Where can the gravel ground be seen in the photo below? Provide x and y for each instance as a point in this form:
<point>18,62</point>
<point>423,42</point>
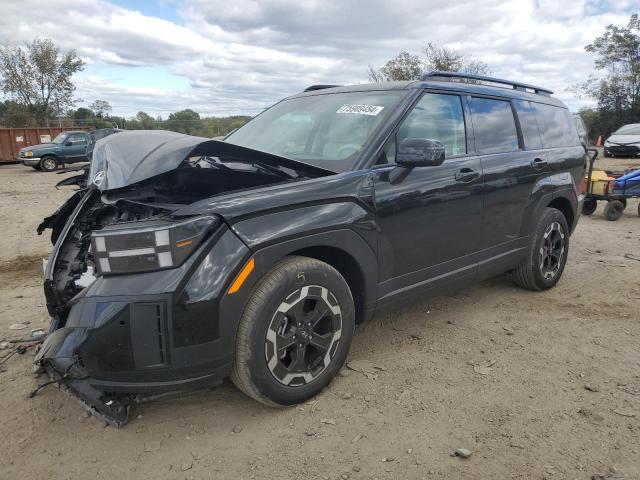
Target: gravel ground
<point>533,385</point>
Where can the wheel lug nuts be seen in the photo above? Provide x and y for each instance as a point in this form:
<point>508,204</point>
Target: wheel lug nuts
<point>294,337</point>
<point>300,345</point>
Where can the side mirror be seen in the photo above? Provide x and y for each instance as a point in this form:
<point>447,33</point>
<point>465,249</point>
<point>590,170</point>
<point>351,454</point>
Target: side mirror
<point>420,152</point>
<point>68,143</point>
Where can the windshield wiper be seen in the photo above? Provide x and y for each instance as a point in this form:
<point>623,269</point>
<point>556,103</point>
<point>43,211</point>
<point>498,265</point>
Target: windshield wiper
<point>273,169</point>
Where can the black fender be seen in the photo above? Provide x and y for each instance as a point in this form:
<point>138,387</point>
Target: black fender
<point>341,230</point>
<point>558,191</point>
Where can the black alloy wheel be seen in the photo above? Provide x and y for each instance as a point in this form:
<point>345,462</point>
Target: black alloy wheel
<point>552,250</point>
<point>295,332</point>
<point>302,335</point>
<point>547,253</point>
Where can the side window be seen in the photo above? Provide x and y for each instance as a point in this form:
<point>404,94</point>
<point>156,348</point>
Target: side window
<point>494,126</point>
<point>77,139</point>
<point>556,126</point>
<point>528,124</point>
<point>437,117</point>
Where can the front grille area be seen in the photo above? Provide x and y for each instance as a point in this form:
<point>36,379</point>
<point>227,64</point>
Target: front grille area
<point>133,338</point>
<point>624,149</point>
<point>148,335</point>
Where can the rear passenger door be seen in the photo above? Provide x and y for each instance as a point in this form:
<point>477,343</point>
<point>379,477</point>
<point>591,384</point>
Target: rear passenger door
<point>510,173</point>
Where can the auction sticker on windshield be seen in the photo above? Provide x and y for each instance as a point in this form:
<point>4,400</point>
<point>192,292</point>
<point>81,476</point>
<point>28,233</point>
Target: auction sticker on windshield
<point>360,109</point>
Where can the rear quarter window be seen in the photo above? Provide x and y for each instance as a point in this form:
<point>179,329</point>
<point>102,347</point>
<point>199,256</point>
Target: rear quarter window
<point>493,125</point>
<point>528,124</point>
<point>557,128</point>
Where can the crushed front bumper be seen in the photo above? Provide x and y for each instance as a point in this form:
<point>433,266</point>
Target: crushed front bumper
<point>128,337</point>
<point>56,356</point>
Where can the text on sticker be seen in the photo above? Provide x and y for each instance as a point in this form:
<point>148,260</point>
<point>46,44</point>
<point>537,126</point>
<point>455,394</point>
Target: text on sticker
<point>360,109</point>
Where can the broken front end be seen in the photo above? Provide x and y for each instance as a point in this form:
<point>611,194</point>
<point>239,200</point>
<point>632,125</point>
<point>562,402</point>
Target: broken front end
<point>135,289</point>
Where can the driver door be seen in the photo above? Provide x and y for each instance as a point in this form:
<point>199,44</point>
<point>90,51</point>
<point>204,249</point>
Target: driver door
<point>430,223</point>
<point>75,148</point>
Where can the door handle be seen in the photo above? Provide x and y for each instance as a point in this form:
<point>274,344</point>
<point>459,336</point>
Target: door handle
<point>539,163</point>
<point>466,175</point>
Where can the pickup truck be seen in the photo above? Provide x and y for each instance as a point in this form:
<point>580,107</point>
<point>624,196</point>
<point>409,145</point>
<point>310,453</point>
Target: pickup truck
<point>67,147</point>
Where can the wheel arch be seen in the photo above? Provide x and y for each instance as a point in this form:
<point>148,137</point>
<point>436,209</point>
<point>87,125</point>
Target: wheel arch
<point>566,208</point>
<point>347,266</point>
<point>344,250</point>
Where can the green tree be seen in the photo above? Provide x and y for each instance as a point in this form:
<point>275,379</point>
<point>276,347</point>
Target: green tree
<point>145,121</point>
<point>403,66</point>
<point>211,127</point>
<point>83,115</point>
<point>407,66</point>
<point>13,114</point>
<point>185,121</point>
<point>445,59</point>
<point>39,76</point>
<point>616,84</point>
<point>101,108</point>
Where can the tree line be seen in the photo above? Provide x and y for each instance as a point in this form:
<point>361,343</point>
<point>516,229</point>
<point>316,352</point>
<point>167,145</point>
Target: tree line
<point>36,78</point>
<point>37,82</point>
<point>615,84</point>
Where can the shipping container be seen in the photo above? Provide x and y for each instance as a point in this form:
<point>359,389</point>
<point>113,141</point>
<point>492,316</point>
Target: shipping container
<point>13,139</point>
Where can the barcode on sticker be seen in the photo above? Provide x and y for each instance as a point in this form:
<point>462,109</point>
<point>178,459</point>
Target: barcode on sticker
<point>360,109</point>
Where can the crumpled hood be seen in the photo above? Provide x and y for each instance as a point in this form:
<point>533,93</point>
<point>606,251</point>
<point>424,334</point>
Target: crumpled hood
<point>133,156</point>
<point>624,139</point>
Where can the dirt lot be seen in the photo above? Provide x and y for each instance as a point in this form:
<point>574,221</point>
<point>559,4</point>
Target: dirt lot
<point>560,399</point>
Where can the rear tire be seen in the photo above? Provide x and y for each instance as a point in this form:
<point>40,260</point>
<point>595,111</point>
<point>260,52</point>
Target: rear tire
<point>589,206</point>
<point>613,211</point>
<point>547,255</point>
<point>48,164</point>
<point>295,332</point>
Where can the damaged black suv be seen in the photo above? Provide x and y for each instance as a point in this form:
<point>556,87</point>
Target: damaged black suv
<point>185,260</point>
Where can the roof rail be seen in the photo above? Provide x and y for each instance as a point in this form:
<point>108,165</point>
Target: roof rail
<point>319,87</point>
<point>448,76</point>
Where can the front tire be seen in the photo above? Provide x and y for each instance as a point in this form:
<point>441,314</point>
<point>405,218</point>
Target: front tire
<point>48,164</point>
<point>295,332</point>
<point>547,253</point>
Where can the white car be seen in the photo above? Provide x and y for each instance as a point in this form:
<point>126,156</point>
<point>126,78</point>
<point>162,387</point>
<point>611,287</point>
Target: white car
<point>624,142</point>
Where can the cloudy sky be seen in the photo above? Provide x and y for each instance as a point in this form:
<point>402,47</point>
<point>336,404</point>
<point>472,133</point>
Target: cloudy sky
<point>222,57</point>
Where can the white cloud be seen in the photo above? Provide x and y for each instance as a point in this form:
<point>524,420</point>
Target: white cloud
<point>241,56</point>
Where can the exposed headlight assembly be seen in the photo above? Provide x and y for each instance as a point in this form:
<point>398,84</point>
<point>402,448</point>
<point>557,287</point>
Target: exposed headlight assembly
<point>147,247</point>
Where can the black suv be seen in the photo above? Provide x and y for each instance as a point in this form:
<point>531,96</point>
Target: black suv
<point>188,260</point>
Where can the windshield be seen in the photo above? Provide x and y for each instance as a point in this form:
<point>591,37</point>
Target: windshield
<point>328,130</point>
<point>60,138</point>
<point>628,130</point>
